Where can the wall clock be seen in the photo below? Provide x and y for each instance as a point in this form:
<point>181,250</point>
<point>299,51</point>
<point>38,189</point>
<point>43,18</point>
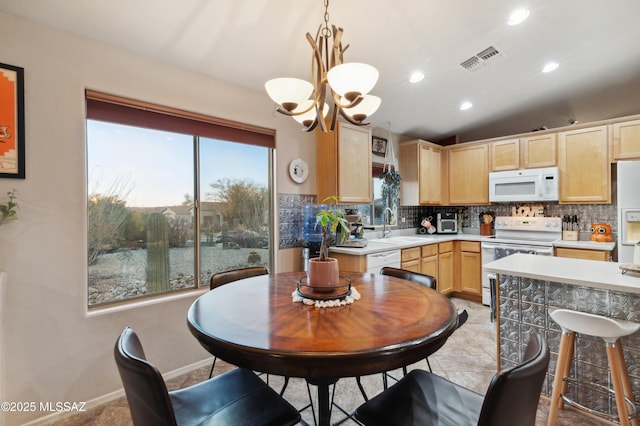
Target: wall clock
<point>298,170</point>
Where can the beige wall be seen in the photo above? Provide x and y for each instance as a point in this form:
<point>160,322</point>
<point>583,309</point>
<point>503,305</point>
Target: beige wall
<point>53,352</point>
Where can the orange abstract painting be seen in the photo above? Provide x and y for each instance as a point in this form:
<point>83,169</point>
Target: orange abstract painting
<point>11,121</point>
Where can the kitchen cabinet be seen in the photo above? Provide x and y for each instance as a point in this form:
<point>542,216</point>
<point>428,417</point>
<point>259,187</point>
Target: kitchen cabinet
<point>445,267</point>
<point>505,155</point>
<point>585,170</point>
<point>420,164</point>
<point>538,151</point>
<point>343,164</point>
<point>429,261</point>
<point>576,253</point>
<point>626,140</point>
<point>470,280</point>
<point>410,259</point>
<point>469,174</point>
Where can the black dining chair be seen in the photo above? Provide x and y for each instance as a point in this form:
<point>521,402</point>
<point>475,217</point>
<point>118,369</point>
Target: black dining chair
<point>423,398</point>
<point>233,398</point>
<point>427,281</point>
<point>226,277</point>
<point>222,278</point>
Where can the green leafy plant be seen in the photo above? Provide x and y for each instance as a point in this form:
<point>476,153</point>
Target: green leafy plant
<point>9,209</point>
<point>329,219</point>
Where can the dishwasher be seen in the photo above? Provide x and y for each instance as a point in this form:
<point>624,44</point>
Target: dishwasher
<point>375,261</point>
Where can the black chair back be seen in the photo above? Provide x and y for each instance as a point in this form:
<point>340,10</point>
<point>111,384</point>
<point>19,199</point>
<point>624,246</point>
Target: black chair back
<point>513,394</point>
<point>144,386</point>
<point>424,279</point>
<point>226,277</point>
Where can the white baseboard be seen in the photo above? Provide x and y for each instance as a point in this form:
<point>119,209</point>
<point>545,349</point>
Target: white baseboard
<point>103,399</point>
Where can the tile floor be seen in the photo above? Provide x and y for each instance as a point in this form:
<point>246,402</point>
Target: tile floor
<point>467,358</point>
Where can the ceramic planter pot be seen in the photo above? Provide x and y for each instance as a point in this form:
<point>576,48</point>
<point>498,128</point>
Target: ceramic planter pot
<point>323,275</point>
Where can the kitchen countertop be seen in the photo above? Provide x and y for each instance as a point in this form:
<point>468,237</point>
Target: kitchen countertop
<point>587,245</point>
<point>409,240</point>
<point>590,273</point>
<point>394,242</point>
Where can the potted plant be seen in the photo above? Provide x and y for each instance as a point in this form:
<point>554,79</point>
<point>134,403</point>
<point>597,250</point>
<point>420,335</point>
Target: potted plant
<point>323,270</point>
<point>8,209</point>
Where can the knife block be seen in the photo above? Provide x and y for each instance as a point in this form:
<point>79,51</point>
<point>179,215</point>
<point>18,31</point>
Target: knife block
<point>570,235</point>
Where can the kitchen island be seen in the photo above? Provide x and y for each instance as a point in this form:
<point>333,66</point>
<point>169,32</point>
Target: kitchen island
<point>528,286</point>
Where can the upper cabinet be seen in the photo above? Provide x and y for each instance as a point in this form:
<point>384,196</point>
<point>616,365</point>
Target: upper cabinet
<point>524,153</point>
<point>585,170</point>
<point>505,155</point>
<point>469,174</point>
<point>538,151</point>
<point>421,170</point>
<point>626,140</point>
<point>343,166</point>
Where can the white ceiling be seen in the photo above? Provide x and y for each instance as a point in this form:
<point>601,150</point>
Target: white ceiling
<point>248,42</point>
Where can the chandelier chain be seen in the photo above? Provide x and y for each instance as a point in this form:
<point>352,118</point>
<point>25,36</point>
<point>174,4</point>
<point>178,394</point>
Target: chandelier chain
<point>325,31</point>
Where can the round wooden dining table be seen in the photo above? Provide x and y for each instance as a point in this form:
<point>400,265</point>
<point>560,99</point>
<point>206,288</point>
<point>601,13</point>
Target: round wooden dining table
<point>254,323</point>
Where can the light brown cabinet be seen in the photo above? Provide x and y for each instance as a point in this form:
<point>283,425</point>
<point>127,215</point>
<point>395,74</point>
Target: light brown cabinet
<point>343,163</point>
<point>538,151</point>
<point>470,282</point>
<point>469,175</point>
<point>577,253</point>
<point>445,268</point>
<point>585,170</point>
<point>626,140</point>
<point>410,259</point>
<point>421,170</point>
<point>504,155</point>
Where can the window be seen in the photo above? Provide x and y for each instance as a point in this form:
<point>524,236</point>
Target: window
<point>377,206</point>
<point>171,200</point>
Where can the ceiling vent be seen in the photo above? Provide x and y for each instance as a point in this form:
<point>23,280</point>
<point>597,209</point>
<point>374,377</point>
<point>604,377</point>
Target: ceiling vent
<point>482,59</point>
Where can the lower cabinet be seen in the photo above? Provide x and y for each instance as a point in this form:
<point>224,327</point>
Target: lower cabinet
<point>469,282</point>
<point>575,253</point>
<point>410,259</point>
<point>445,267</point>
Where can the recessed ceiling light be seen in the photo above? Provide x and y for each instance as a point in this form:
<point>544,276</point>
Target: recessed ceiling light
<point>416,77</point>
<point>550,66</point>
<point>465,106</point>
<point>518,16</point>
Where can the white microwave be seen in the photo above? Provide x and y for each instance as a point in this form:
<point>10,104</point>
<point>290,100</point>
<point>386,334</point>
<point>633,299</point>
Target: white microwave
<point>524,185</point>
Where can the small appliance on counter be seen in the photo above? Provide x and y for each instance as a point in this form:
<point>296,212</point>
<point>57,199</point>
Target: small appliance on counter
<point>356,230</point>
<point>447,223</point>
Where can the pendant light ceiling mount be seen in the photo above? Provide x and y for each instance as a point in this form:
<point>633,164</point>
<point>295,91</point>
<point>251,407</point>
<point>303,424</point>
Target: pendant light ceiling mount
<point>337,86</point>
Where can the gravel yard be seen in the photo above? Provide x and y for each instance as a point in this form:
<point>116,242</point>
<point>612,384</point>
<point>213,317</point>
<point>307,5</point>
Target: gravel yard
<point>121,275</point>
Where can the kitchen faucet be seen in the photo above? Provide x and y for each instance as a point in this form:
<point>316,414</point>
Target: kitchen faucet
<point>384,221</point>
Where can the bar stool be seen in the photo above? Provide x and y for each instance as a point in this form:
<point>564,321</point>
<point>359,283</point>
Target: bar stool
<point>610,330</point>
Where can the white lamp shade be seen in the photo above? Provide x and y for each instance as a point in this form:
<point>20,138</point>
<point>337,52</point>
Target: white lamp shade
<point>366,108</point>
<point>288,90</point>
<point>309,115</point>
<point>352,77</point>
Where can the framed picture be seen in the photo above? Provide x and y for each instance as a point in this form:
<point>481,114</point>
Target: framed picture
<point>11,122</point>
<point>378,145</point>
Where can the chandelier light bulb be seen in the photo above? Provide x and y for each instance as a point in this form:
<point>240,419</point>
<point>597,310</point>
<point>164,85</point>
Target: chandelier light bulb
<point>364,109</point>
<point>288,92</point>
<point>352,79</point>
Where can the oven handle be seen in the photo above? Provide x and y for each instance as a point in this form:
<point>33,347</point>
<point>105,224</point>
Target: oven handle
<point>543,251</point>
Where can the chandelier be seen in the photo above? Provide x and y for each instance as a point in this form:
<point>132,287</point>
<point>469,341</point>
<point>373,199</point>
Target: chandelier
<point>336,87</point>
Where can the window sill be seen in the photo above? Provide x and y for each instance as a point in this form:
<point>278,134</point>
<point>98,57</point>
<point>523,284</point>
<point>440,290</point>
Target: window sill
<point>91,312</point>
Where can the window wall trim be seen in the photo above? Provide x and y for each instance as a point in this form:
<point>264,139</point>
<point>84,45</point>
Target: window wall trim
<point>117,109</point>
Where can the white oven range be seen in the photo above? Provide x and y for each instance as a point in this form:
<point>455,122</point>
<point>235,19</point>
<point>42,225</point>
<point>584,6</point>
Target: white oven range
<point>516,234</point>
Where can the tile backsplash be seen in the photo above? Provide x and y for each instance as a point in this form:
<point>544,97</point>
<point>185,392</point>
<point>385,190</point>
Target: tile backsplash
<point>290,208</point>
